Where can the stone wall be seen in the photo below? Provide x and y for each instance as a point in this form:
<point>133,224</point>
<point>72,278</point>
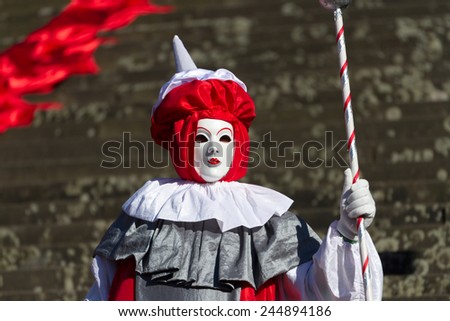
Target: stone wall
<point>56,200</point>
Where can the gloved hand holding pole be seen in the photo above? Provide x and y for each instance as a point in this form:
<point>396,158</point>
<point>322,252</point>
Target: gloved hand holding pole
<point>336,6</point>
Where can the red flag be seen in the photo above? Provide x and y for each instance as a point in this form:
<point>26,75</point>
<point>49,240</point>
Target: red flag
<point>62,48</point>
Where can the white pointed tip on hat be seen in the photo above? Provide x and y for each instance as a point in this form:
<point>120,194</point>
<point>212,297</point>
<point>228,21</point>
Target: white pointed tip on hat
<point>187,71</point>
<point>183,60</point>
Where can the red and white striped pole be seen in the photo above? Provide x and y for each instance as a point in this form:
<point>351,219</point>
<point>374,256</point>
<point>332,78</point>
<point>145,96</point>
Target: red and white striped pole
<point>351,142</point>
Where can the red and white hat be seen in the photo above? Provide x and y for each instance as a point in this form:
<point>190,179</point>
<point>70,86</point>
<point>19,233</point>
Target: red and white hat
<point>193,94</point>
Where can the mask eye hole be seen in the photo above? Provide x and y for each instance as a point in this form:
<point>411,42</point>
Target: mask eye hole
<point>200,138</point>
<point>225,139</point>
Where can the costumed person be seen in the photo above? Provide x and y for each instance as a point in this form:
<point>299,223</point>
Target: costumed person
<point>206,236</point>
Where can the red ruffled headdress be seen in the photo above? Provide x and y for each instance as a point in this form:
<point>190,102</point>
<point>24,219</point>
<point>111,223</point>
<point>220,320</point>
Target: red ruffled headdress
<point>193,94</point>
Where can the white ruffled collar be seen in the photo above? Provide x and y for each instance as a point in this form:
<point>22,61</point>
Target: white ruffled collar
<point>232,204</point>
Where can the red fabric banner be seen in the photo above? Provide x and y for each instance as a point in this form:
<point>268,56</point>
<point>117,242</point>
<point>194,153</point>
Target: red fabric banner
<point>62,48</point>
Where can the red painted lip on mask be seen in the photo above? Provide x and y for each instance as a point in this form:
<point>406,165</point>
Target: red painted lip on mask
<point>214,161</point>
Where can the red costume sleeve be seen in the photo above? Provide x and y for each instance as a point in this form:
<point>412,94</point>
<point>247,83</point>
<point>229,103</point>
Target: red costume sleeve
<point>122,287</point>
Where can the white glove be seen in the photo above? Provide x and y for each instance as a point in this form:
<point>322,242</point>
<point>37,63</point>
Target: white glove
<point>356,200</point>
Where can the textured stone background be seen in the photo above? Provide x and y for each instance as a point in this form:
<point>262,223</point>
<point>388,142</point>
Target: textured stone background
<point>56,200</point>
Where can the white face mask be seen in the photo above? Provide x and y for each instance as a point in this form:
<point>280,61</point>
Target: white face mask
<point>213,151</point>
